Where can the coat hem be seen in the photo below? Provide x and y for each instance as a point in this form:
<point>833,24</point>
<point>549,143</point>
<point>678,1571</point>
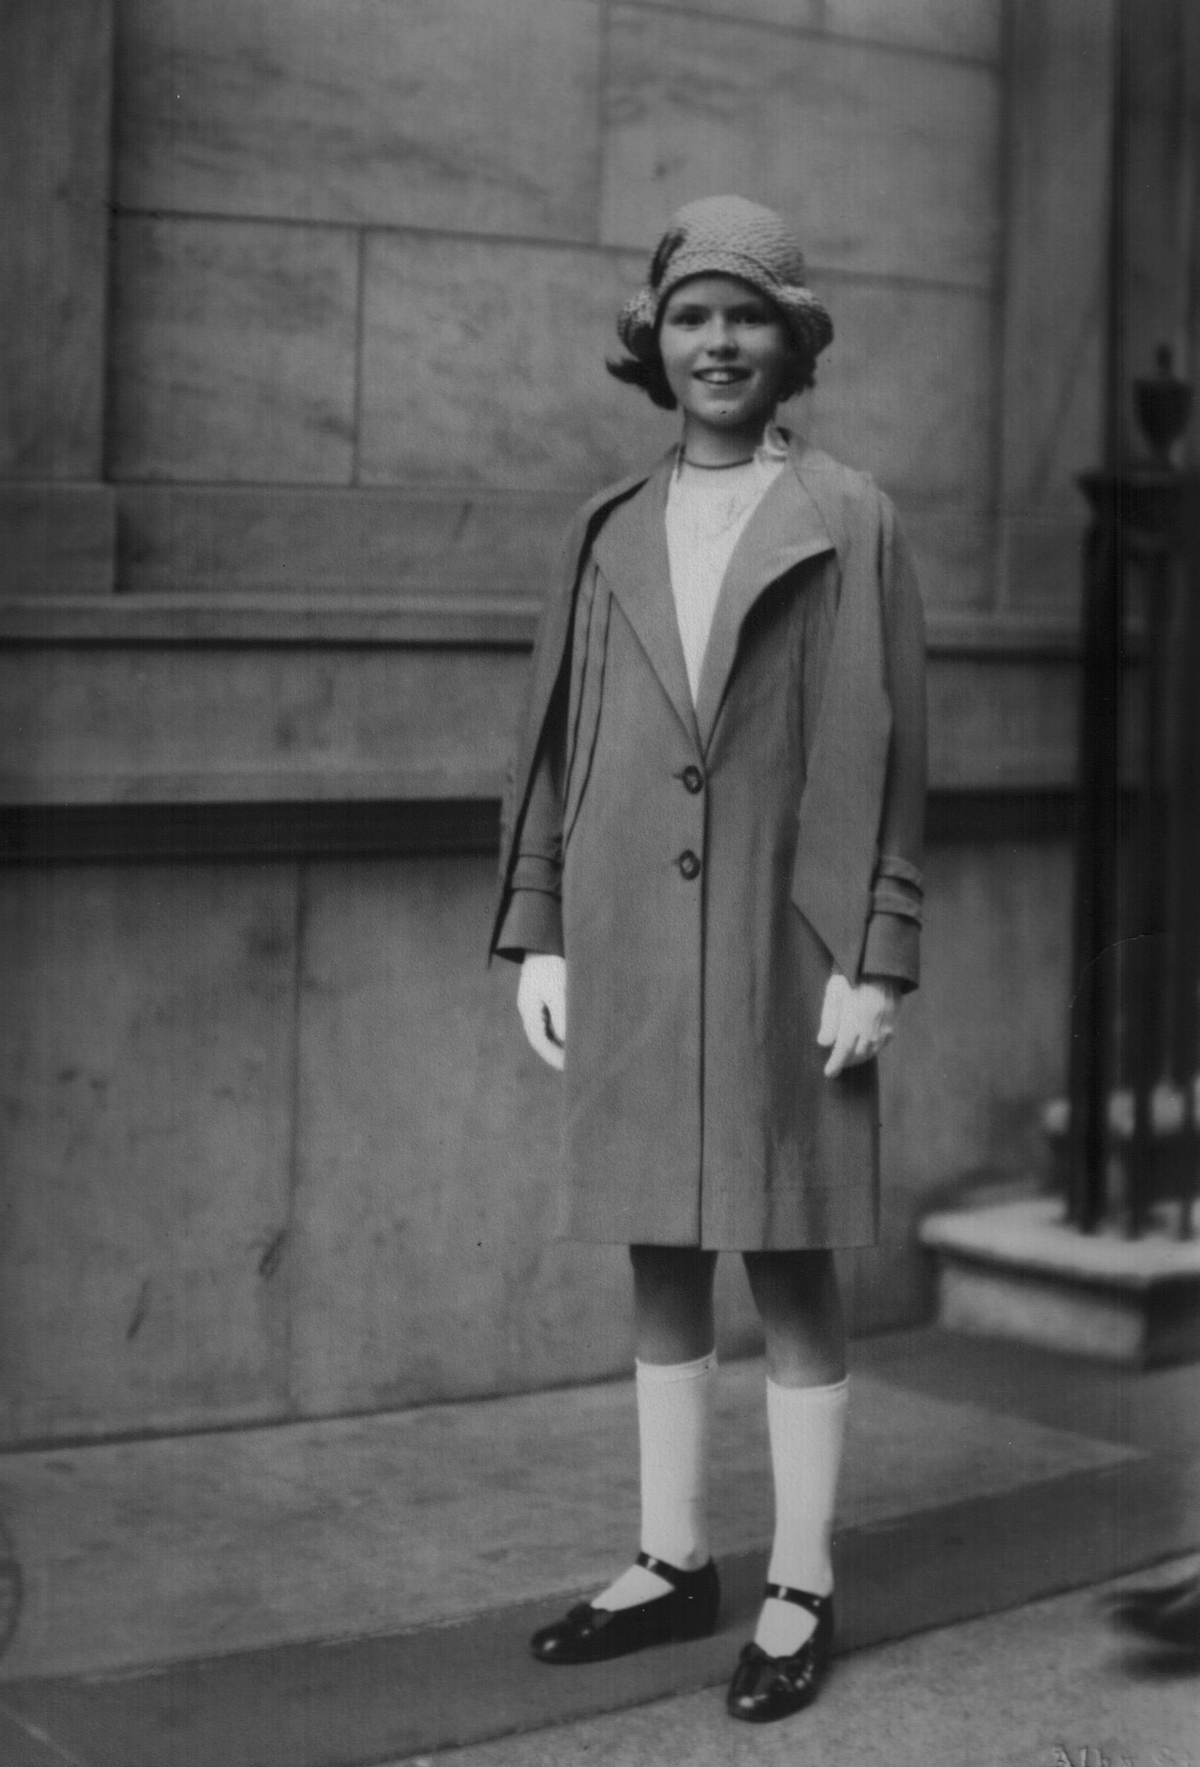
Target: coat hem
<point>839,1243</point>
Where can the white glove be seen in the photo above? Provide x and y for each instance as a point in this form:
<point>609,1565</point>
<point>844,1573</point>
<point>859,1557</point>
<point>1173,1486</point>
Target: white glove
<point>856,1022</point>
<point>542,1004</point>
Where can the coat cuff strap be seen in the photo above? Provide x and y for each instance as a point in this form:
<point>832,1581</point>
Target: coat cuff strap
<point>893,949</point>
<point>537,871</point>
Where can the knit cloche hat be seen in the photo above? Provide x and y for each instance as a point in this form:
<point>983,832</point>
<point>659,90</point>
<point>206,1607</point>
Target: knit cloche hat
<point>726,236</point>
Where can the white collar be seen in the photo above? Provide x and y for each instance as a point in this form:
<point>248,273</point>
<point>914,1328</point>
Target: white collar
<point>770,451</point>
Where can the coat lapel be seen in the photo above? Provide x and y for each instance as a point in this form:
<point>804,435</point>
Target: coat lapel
<point>631,551</point>
<point>784,530</point>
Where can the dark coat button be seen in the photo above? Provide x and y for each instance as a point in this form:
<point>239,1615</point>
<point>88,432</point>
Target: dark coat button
<point>693,779</point>
<point>689,864</point>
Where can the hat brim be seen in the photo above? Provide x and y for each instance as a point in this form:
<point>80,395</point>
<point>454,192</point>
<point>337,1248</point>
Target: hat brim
<point>805,316</point>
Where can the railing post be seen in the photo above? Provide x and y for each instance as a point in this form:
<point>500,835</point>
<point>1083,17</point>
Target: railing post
<point>1091,1047</point>
<point>1120,1057</point>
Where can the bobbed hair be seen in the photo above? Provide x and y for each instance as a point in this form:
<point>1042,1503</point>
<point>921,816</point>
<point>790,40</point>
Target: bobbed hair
<point>650,376</point>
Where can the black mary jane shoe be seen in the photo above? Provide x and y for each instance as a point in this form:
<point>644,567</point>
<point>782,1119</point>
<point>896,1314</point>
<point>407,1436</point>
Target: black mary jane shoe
<point>594,1634</point>
<point>764,1687</point>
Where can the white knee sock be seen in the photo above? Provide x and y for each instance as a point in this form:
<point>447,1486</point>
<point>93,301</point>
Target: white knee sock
<point>674,1404</point>
<point>806,1427</point>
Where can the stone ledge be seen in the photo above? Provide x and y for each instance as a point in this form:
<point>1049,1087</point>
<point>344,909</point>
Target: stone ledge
<point>419,616</point>
<point>1018,1271</point>
<point>476,621</point>
<point>371,825</point>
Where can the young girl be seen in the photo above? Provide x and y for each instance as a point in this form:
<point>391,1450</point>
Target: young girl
<point>710,875</point>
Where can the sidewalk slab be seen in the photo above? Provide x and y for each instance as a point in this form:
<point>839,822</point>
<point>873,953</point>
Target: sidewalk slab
<point>357,1590</point>
<point>361,1701</point>
<point>1154,1410</point>
<point>141,1553</point>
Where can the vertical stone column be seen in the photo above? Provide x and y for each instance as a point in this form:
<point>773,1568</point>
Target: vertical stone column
<point>1060,60</point>
<point>57,523</point>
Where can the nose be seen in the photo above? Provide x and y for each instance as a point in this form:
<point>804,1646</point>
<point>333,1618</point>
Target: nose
<point>719,339</point>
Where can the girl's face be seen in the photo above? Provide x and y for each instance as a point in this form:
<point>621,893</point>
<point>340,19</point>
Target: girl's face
<point>727,355</point>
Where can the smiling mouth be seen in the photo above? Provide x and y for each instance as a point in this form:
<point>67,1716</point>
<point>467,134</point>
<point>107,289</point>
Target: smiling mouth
<point>721,377</point>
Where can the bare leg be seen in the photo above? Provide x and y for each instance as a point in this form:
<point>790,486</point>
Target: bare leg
<point>797,1297</point>
<point>672,1298</point>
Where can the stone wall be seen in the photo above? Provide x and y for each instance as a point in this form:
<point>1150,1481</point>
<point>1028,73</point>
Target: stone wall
<point>381,246</point>
<point>293,431</point>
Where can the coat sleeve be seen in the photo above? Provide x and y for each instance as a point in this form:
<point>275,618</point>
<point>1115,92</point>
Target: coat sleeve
<point>892,946</point>
<point>532,919</point>
<point>528,913</point>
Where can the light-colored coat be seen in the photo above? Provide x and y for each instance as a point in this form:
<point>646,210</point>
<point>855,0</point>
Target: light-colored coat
<point>703,867</point>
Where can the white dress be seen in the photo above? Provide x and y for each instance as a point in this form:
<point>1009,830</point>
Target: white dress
<point>707,512</point>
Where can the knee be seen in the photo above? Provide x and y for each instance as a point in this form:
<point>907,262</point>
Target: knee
<point>682,1270</point>
<point>797,1282</point>
<point>673,1303</point>
<point>797,1298</point>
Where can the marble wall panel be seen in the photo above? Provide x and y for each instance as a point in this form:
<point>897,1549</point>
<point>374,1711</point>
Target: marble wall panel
<point>189,723</point>
<point>907,389</point>
<point>222,540</point>
<point>1041,560</point>
<point>984,1040</point>
<point>233,352</point>
<point>945,27</point>
<point>483,365</point>
<point>146,1055</point>
<point>888,163</point>
<point>56,539</point>
<point>999,724</point>
<point>954,553</point>
<point>55,128</point>
<point>455,114</point>
<point>1059,80</point>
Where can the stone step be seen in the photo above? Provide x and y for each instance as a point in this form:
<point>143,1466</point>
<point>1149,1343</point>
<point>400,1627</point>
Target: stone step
<point>361,1589</point>
<point>1017,1270</point>
<point>357,1701</point>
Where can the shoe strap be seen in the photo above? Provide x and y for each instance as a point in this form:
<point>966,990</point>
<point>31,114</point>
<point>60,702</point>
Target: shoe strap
<point>816,1605</point>
<point>670,1573</point>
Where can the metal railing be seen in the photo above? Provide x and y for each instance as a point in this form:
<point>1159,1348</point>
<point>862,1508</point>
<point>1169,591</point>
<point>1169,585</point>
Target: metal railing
<point>1131,1126</point>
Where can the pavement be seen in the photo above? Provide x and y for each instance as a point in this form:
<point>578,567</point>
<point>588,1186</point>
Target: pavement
<point>1042,1685</point>
<point>359,1590</point>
